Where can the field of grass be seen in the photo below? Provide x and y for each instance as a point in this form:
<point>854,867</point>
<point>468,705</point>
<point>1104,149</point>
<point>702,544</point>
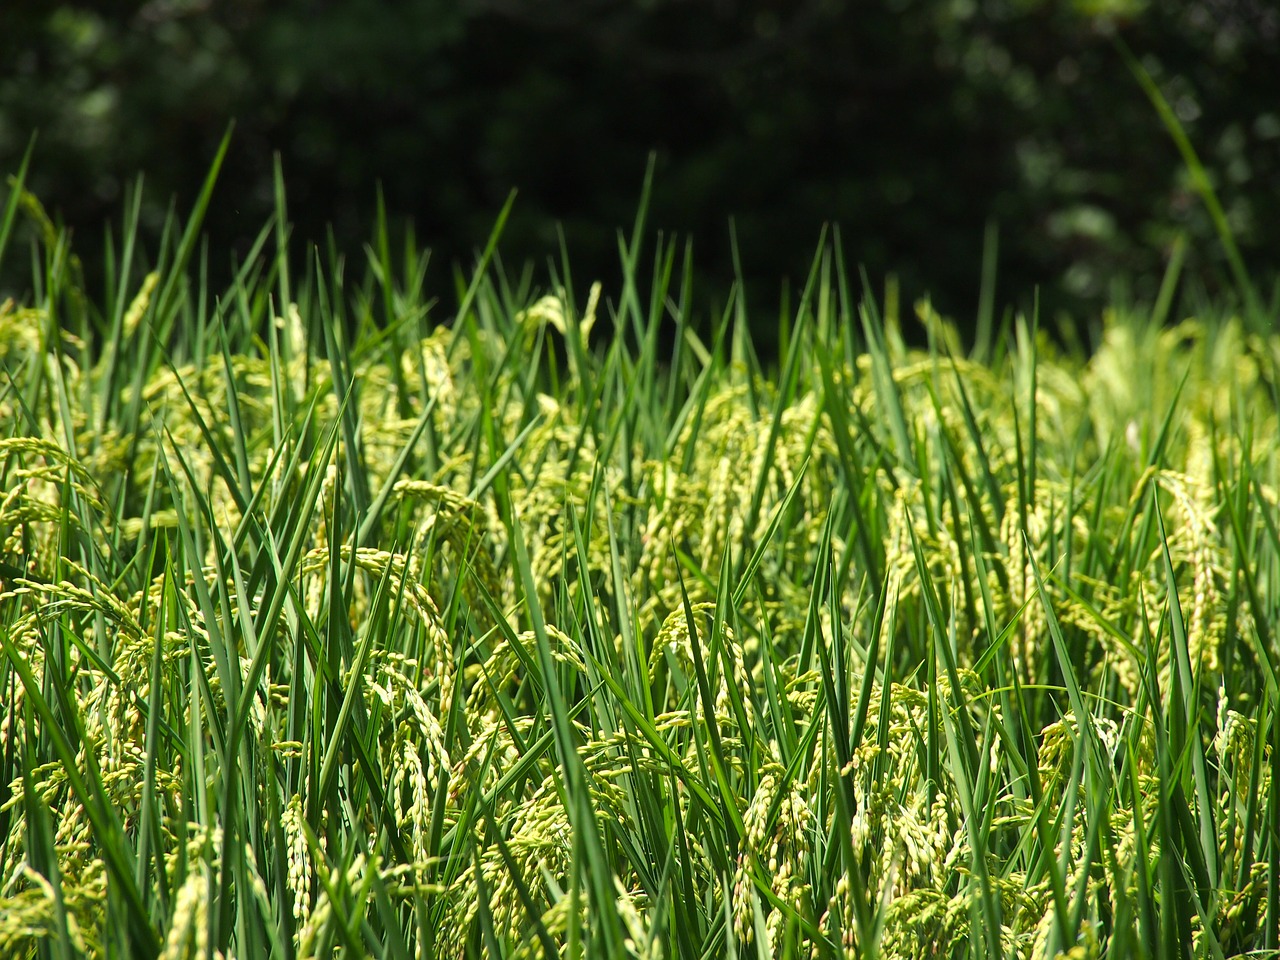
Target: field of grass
<point>340,617</point>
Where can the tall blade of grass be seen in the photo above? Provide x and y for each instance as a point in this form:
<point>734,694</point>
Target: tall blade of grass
<point>337,732</point>
<point>1029,456</point>
<point>149,830</point>
<point>886,389</point>
<point>17,183</point>
<point>281,219</point>
<point>1122,562</point>
<point>1186,735</point>
<point>464,313</point>
<point>632,670</point>
<point>783,400</point>
<point>681,315</point>
<point>699,397</point>
<point>41,849</point>
<point>1088,737</point>
<point>1199,179</point>
<point>113,354</point>
<point>1271,929</point>
<point>962,753</point>
<point>107,829</point>
<point>166,302</point>
<point>629,304</point>
<point>578,804</point>
<point>833,707</point>
<point>1169,282</point>
<point>728,802</point>
<point>987,292</point>
<point>346,385</point>
<point>1176,908</point>
<point>836,402</point>
<point>745,577</point>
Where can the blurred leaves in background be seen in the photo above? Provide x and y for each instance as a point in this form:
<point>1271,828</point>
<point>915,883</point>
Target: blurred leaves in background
<point>911,123</point>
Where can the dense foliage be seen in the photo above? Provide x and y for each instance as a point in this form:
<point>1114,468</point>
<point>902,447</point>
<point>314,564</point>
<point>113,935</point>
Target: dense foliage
<point>912,123</point>
<point>501,637</point>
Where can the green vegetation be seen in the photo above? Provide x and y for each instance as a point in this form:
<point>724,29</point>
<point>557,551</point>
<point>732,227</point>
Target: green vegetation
<point>336,621</point>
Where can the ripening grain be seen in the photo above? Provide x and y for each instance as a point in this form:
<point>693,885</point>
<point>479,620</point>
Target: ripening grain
<point>335,624</point>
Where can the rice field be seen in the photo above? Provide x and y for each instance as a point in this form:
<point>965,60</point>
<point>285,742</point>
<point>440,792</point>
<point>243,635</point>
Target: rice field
<point>344,617</point>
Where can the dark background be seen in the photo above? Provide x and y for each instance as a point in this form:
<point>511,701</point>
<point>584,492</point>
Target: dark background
<point>911,123</point>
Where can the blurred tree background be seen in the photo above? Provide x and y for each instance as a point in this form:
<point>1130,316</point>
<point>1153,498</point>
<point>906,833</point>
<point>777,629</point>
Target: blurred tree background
<point>910,123</point>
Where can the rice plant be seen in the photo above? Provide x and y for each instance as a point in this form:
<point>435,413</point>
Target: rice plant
<point>341,617</point>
